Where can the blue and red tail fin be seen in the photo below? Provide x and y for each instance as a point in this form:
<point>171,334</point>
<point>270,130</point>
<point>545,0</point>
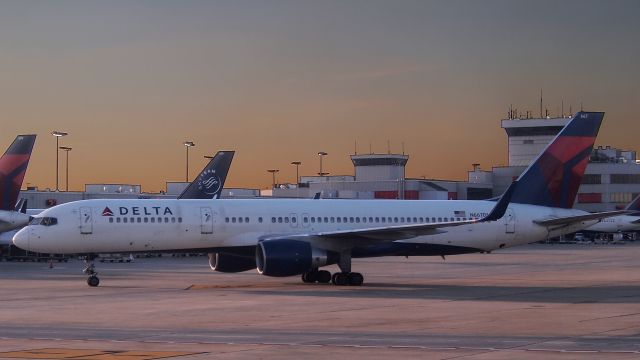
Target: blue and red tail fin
<point>210,181</point>
<point>554,177</point>
<point>13,166</point>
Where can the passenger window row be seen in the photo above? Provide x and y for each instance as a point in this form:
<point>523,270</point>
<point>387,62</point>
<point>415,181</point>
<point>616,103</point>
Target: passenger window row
<point>240,220</point>
<point>379,220</point>
<point>345,219</point>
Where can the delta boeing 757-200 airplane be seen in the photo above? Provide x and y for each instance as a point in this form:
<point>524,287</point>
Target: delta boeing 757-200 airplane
<point>286,237</point>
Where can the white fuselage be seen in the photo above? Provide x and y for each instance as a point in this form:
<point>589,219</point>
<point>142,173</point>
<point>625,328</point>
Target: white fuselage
<point>102,226</point>
<point>620,223</point>
<point>19,220</point>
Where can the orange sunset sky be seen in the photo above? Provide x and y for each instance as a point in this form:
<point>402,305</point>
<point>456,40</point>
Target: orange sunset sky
<point>278,81</point>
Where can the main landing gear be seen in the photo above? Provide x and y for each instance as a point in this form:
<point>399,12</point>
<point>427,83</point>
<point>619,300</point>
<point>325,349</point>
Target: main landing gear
<point>342,278</point>
<point>339,278</point>
<point>90,269</point>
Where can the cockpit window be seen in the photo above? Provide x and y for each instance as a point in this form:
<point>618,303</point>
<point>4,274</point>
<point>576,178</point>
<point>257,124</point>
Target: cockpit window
<point>45,221</point>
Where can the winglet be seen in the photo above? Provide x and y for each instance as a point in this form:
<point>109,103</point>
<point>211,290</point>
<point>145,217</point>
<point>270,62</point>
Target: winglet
<point>23,208</point>
<point>19,204</point>
<point>501,206</point>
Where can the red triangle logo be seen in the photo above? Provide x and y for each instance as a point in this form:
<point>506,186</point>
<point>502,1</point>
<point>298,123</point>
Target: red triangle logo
<point>107,212</point>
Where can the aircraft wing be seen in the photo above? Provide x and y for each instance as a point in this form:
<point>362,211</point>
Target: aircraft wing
<point>408,231</point>
<point>561,221</point>
<point>396,232</point>
<point>368,236</point>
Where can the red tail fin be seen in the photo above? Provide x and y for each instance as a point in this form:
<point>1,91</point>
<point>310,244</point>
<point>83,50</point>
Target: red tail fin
<point>13,166</point>
<point>554,177</point>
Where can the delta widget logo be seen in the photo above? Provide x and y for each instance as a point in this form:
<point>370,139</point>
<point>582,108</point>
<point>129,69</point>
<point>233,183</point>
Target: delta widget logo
<point>209,182</point>
<point>107,212</point>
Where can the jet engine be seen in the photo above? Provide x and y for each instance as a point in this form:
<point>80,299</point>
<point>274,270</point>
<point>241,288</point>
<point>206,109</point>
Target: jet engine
<point>290,257</point>
<point>230,263</point>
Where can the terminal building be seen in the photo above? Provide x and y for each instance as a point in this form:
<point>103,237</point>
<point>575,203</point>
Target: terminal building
<point>611,181</point>
<point>382,176</point>
<point>38,199</point>
<point>612,177</point>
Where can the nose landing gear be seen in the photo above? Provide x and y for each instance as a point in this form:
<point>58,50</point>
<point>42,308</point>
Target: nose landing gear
<point>90,269</point>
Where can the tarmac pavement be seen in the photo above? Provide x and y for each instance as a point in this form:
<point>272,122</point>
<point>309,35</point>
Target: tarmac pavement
<point>531,302</point>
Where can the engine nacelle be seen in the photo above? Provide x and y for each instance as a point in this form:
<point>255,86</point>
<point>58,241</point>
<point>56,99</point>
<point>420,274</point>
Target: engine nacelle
<point>289,257</point>
<point>230,263</point>
<point>10,220</point>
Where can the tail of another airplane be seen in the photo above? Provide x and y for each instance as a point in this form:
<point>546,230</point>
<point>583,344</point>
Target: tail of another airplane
<point>554,177</point>
<point>13,166</point>
<point>209,183</point>
<point>634,205</point>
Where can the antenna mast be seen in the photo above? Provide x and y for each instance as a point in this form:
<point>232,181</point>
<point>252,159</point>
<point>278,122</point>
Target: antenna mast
<point>540,103</point>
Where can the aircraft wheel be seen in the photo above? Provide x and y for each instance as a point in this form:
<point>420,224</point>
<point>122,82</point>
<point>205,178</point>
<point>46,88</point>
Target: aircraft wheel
<point>93,281</point>
<point>340,279</point>
<point>309,277</point>
<point>355,279</point>
<point>324,277</point>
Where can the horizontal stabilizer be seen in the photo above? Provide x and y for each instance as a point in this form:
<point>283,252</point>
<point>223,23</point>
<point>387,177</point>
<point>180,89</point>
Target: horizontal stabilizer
<point>578,218</point>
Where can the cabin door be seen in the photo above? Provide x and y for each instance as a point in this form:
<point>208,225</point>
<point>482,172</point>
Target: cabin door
<point>86,220</point>
<point>510,221</point>
<point>206,220</point>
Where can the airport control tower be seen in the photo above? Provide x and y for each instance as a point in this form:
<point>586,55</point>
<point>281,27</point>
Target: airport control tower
<point>379,167</point>
<point>528,137</point>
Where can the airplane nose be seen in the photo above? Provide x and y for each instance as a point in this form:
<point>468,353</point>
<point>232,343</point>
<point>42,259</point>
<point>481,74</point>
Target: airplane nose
<point>21,239</point>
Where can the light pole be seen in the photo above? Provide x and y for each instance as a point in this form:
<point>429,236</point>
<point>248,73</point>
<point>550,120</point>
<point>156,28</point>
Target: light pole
<point>273,174</point>
<point>321,154</point>
<point>297,164</point>
<point>58,135</point>
<point>188,144</point>
<point>66,149</point>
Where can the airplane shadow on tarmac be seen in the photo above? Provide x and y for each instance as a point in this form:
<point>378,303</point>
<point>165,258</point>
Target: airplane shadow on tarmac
<point>618,294</point>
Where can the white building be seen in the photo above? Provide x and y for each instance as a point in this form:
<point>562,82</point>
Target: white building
<point>612,177</point>
<point>382,176</point>
<point>611,180</point>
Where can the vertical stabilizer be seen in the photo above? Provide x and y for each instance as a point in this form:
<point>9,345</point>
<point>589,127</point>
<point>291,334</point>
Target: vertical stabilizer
<point>634,205</point>
<point>554,177</point>
<point>209,183</point>
<point>13,166</point>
